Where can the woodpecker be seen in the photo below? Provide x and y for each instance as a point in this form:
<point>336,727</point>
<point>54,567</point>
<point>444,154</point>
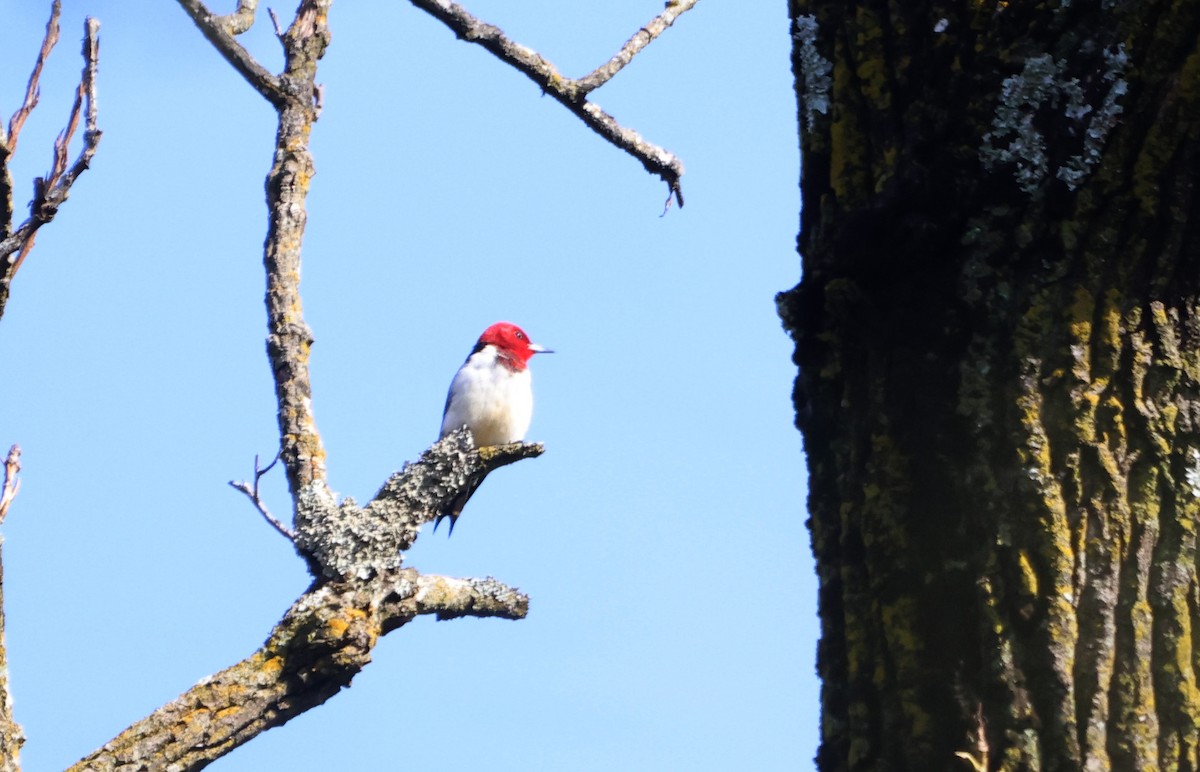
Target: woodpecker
<point>492,395</point>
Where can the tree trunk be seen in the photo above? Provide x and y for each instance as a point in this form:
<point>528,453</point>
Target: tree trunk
<point>997,336</point>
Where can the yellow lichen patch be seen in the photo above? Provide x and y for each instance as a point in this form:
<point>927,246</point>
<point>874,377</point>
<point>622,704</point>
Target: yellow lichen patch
<point>1108,462</point>
<point>193,718</point>
<point>847,141</point>
<point>488,452</point>
<point>857,654</point>
<point>884,513</point>
<point>1110,322</point>
<point>1029,580</point>
<point>225,713</point>
<point>1168,340</point>
<point>336,627</point>
<point>1079,316</point>
<point>872,66</point>
<point>271,665</point>
<point>904,643</point>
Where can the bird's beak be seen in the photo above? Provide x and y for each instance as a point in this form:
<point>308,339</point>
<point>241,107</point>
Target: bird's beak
<point>535,348</point>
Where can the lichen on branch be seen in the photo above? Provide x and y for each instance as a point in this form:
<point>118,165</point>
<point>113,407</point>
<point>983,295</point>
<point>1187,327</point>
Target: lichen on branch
<point>321,643</point>
<point>348,540</point>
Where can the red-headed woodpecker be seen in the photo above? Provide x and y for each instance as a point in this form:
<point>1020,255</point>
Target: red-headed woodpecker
<point>492,395</point>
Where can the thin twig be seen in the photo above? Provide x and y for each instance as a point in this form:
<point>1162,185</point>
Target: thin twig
<point>32,91</point>
<point>51,191</point>
<point>251,492</point>
<point>642,38</point>
<point>569,92</point>
<point>217,31</point>
<point>293,94</point>
<point>26,248</point>
<point>275,21</point>
<point>12,483</point>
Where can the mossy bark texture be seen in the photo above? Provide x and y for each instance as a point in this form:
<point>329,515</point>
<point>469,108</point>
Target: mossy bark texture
<point>998,340</point>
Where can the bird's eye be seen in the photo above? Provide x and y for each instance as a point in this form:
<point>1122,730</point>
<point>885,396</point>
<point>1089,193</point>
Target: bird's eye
<point>520,336</point>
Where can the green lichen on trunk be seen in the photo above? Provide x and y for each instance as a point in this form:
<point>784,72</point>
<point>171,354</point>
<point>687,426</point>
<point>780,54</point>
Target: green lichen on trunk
<point>997,335</point>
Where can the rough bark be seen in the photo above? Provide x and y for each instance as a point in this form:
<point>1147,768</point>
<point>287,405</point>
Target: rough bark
<point>361,588</point>
<point>997,334</point>
<point>315,650</point>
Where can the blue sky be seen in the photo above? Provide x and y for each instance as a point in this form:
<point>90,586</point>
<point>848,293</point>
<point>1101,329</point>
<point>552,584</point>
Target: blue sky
<point>661,537</point>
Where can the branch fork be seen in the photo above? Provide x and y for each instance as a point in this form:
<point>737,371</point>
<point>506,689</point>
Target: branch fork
<point>362,541</point>
<point>361,589</point>
<point>251,491</point>
<point>572,92</point>
<point>321,643</point>
<point>51,191</point>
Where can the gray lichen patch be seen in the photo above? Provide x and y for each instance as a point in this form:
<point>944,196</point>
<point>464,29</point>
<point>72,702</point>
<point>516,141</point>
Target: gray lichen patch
<point>1192,472</point>
<point>1044,98</point>
<point>1104,119</point>
<point>360,541</point>
<point>348,540</point>
<point>814,70</point>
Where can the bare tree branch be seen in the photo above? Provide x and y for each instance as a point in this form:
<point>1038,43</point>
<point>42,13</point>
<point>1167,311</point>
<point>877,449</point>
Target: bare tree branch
<point>220,31</point>
<point>572,93</point>
<point>448,598</point>
<point>294,95</point>
<point>11,736</point>
<point>289,340</point>
<point>322,642</point>
<point>32,90</point>
<point>327,636</point>
<point>8,146</point>
<point>50,192</point>
<point>275,23</point>
<point>642,38</point>
<point>12,483</point>
<point>371,539</point>
<point>15,245</point>
<point>251,492</point>
<point>362,590</point>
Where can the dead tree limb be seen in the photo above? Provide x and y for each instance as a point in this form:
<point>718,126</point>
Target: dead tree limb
<point>321,643</point>
<point>572,93</point>
<point>51,191</point>
<point>361,589</point>
<point>11,736</point>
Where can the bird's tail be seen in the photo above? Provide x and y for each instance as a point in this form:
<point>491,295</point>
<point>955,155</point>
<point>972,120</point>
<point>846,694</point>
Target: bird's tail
<point>453,519</point>
<point>454,510</point>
